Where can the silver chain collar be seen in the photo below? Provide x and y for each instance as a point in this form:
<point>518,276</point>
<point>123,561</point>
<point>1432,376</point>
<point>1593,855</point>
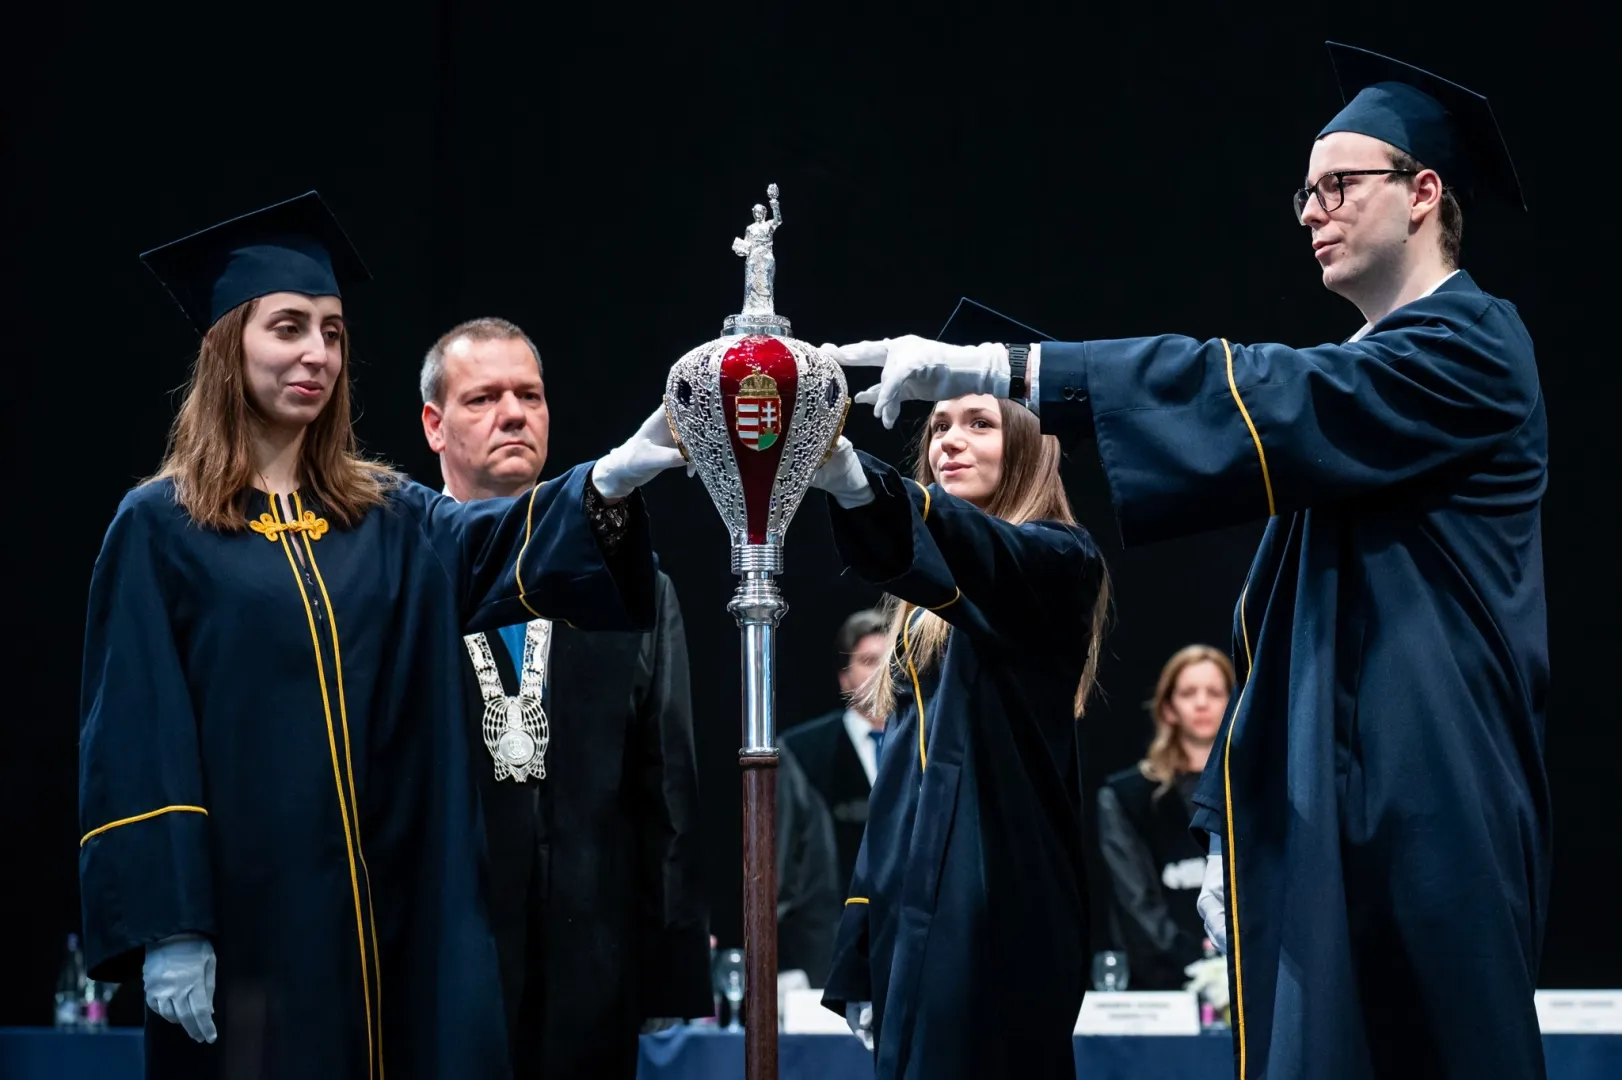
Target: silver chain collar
<point>516,731</point>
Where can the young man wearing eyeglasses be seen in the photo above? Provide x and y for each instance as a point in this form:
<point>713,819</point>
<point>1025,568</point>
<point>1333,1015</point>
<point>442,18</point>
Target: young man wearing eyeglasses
<point>1377,809</point>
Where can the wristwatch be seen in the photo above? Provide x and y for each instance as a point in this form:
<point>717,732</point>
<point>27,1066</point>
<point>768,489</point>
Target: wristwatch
<point>1017,356</point>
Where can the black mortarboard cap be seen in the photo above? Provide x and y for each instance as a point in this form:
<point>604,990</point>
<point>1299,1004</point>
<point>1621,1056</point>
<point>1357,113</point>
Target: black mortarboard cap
<point>294,246</point>
<point>973,323</point>
<point>1440,123</point>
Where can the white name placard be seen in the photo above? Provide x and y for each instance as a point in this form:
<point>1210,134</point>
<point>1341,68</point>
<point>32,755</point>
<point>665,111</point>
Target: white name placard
<point>1579,1012</point>
<point>803,1014</point>
<point>1139,1012</point>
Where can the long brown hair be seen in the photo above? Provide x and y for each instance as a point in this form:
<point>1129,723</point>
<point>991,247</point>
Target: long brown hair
<point>1029,489</point>
<point>210,452</point>
<point>1166,757</point>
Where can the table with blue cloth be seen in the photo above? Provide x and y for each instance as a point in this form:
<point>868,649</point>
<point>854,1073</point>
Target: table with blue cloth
<point>703,1053</point>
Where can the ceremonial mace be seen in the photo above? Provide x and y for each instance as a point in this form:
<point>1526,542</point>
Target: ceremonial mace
<point>757,413</point>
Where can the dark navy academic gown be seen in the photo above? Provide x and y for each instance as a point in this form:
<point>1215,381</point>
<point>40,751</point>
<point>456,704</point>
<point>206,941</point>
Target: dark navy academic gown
<point>272,755</point>
<point>967,922</point>
<point>1378,787</point>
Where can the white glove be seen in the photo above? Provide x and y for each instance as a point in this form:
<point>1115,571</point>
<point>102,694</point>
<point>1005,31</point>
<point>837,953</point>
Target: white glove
<point>179,976</point>
<point>842,477</point>
<point>859,1015</point>
<point>919,369</point>
<point>639,459</point>
<point>1212,904</point>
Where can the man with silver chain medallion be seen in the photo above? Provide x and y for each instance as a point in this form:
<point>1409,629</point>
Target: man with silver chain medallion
<point>587,774</point>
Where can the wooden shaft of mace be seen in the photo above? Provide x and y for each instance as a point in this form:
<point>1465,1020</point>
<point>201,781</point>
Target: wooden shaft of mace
<point>760,914</point>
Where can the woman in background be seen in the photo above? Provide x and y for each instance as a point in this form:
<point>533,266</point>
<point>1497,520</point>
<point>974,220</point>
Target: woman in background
<point>963,948</point>
<point>1155,867</point>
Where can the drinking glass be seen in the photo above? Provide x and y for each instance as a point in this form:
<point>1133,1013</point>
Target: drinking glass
<point>1110,970</point>
<point>729,981</point>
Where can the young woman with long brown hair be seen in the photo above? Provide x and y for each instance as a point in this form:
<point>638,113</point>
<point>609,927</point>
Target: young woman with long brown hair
<point>1155,867</point>
<point>275,792</point>
<point>965,931</point>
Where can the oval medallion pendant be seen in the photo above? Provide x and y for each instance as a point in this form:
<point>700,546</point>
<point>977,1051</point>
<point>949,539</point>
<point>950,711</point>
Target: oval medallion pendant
<point>517,748</point>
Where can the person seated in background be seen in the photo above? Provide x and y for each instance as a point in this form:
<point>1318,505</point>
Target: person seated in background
<point>1155,867</point>
<point>839,750</point>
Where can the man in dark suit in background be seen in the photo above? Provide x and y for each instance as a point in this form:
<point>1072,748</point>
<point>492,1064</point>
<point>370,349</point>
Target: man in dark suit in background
<point>587,774</point>
<point>839,750</point>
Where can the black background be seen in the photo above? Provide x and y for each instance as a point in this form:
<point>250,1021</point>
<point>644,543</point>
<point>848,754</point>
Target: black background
<point>1106,172</point>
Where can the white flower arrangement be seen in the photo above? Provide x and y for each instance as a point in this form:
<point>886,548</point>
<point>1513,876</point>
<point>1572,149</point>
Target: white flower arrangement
<point>1208,978</point>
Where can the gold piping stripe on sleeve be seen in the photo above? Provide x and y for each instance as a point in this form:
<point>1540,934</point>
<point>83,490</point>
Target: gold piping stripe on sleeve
<point>343,806</point>
<point>518,563</point>
<point>141,817</point>
<point>1233,388</point>
<point>1232,860</point>
<point>856,900</point>
<point>923,514</point>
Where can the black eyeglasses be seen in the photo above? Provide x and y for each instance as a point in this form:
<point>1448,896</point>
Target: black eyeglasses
<point>1330,197</point>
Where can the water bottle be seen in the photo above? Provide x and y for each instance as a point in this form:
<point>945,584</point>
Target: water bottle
<point>70,988</point>
<point>97,997</point>
<point>1210,1019</point>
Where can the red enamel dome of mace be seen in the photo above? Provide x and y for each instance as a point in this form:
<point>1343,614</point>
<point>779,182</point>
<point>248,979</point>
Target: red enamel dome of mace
<point>757,412</point>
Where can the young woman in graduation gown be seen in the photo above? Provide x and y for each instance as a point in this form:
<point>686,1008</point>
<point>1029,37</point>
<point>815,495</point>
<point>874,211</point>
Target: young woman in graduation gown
<point>280,823</point>
<point>966,925</point>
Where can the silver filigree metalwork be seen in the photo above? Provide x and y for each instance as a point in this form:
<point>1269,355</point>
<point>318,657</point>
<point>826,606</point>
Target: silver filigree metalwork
<point>698,417</point>
<point>516,730</point>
